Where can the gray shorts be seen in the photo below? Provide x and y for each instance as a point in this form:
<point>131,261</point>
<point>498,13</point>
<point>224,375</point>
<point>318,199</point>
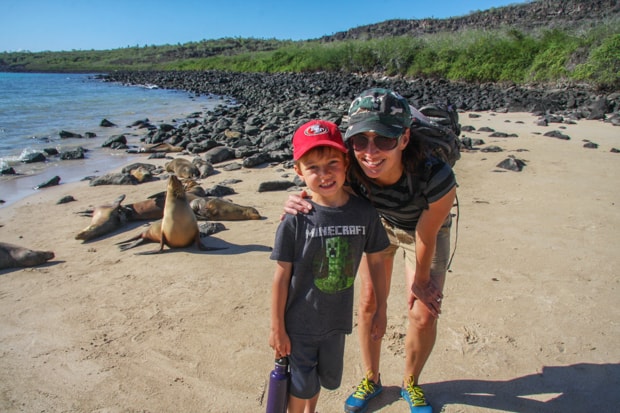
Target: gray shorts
<point>405,239</point>
<point>315,363</point>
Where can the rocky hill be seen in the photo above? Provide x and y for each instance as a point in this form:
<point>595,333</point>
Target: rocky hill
<point>526,16</point>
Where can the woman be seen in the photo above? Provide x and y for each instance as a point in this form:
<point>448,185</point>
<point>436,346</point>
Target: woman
<point>414,193</point>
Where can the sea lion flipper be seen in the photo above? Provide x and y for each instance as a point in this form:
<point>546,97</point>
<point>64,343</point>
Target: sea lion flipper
<point>118,200</point>
<point>203,247</point>
<point>148,252</point>
<point>86,212</point>
<point>126,245</point>
<point>160,250</point>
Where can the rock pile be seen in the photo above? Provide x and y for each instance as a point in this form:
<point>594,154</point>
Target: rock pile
<point>529,15</point>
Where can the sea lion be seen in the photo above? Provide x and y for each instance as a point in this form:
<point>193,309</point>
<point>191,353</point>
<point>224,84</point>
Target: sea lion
<point>141,174</point>
<point>217,209</point>
<point>106,218</point>
<point>149,209</point>
<point>152,208</point>
<point>15,256</point>
<point>182,168</point>
<point>177,229</point>
<point>160,147</point>
<point>193,190</point>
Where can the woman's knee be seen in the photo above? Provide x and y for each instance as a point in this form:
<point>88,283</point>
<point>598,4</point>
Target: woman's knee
<point>420,317</point>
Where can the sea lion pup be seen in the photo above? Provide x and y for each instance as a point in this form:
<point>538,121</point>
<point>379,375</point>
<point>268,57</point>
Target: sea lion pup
<point>106,218</point>
<point>15,256</point>
<point>177,229</point>
<point>160,147</point>
<point>182,168</point>
<point>218,209</point>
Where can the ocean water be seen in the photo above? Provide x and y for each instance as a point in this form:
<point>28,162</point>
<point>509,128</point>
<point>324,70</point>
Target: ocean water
<point>35,107</point>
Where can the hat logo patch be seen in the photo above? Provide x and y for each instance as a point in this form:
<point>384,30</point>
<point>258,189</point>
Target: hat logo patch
<point>315,130</point>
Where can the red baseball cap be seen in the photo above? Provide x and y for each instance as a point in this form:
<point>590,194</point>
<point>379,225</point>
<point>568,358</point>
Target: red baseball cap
<point>316,133</point>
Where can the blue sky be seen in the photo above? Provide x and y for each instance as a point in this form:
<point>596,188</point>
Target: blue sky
<point>39,25</point>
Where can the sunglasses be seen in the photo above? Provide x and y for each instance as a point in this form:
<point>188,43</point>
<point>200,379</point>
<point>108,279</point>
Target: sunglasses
<point>383,143</point>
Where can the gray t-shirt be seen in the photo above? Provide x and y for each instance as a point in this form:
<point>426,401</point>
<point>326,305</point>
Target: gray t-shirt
<point>325,247</point>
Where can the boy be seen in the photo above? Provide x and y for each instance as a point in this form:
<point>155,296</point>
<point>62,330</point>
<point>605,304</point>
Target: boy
<point>317,256</point>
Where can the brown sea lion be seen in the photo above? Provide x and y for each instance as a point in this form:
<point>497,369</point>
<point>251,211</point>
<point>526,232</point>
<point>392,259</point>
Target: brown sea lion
<point>15,256</point>
<point>106,218</point>
<point>141,174</point>
<point>193,190</point>
<point>182,168</point>
<point>218,209</point>
<point>177,229</point>
<point>149,209</point>
<point>160,147</point>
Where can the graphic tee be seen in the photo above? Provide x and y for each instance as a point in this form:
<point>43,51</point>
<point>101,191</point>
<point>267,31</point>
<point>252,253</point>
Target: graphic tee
<point>325,247</point>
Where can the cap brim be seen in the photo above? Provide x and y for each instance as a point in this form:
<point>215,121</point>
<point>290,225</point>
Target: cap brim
<point>376,126</point>
<point>298,154</point>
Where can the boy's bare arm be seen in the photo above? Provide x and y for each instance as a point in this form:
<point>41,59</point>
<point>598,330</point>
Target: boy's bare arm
<point>278,338</point>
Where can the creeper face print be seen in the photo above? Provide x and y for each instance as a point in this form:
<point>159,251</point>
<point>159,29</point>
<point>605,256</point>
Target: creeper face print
<point>334,269</point>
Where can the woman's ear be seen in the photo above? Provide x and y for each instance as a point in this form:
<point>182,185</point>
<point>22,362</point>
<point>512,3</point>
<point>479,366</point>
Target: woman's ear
<point>404,140</point>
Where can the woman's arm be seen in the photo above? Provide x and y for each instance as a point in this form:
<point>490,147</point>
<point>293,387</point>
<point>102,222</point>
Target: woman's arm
<point>426,238</point>
<point>296,203</point>
<point>376,267</point>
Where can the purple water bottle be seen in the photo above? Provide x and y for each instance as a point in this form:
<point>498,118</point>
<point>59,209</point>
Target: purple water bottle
<point>277,398</point>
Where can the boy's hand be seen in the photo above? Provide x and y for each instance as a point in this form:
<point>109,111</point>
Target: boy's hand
<point>280,343</point>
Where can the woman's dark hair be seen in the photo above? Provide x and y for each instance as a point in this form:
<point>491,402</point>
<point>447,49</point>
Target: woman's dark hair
<point>414,158</point>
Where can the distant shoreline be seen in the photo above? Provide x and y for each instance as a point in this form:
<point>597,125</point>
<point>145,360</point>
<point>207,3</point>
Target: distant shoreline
<point>291,98</point>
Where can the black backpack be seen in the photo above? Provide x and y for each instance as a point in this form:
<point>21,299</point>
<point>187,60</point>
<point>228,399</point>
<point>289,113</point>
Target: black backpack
<point>442,136</point>
<point>442,132</point>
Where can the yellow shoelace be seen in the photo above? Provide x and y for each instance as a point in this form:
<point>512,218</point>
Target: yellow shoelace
<point>416,394</point>
<point>365,388</point>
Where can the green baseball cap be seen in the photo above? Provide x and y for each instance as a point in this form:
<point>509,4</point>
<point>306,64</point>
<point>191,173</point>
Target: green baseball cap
<point>378,110</point>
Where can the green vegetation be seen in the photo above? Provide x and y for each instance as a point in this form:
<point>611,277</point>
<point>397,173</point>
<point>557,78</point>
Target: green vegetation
<point>590,55</point>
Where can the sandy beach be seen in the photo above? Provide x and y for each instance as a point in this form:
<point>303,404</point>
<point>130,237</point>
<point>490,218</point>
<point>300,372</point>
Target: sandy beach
<point>530,319</point>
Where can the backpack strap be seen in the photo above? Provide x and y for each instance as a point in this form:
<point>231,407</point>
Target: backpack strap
<point>420,182</point>
<point>422,201</point>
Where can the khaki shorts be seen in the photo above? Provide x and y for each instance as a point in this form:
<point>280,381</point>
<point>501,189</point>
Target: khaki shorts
<point>405,239</point>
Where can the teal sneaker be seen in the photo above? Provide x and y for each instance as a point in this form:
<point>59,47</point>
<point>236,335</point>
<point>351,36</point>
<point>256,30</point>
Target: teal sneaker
<point>414,396</point>
<point>366,390</point>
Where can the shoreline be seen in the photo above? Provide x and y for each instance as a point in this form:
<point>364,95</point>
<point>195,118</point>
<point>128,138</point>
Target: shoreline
<point>529,319</point>
<point>121,104</point>
<point>258,104</point>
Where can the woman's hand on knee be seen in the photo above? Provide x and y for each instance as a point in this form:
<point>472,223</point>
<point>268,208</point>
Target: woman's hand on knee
<point>429,294</point>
